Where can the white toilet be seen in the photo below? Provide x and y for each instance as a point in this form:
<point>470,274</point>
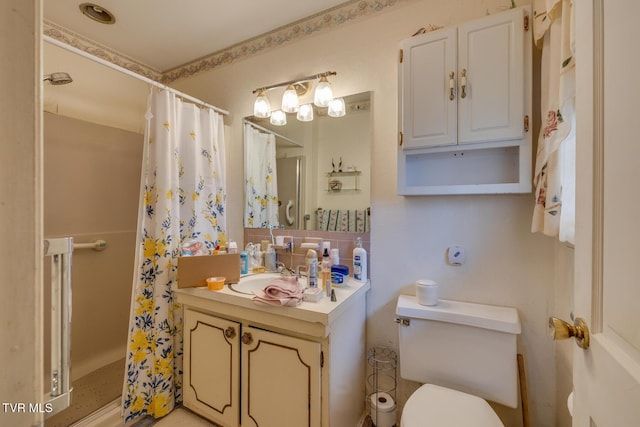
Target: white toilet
<point>464,353</point>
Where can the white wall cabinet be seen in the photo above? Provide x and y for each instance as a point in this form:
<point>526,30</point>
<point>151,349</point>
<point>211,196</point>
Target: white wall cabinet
<point>465,108</point>
<point>252,365</point>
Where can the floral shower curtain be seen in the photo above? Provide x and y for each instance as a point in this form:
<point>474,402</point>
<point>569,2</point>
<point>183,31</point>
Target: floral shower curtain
<point>554,177</point>
<point>183,200</point>
<point>261,182</point>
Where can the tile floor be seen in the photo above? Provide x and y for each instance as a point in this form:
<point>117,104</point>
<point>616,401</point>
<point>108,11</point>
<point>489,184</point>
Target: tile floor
<point>180,416</point>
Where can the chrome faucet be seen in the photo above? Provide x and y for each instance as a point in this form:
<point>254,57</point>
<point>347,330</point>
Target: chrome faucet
<point>284,270</point>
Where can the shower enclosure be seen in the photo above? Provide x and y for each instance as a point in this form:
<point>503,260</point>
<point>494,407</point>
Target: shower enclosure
<point>91,190</point>
<point>290,173</point>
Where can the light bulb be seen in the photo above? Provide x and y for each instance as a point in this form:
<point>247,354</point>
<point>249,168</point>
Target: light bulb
<point>323,94</point>
<point>262,107</point>
<point>336,108</point>
<point>290,101</point>
<point>305,113</point>
<point>278,118</point>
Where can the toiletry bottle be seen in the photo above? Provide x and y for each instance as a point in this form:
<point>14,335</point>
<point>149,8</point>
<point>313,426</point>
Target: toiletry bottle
<point>270,259</point>
<point>312,269</point>
<point>326,271</point>
<point>244,262</point>
<point>359,262</point>
<point>310,254</point>
<point>339,272</point>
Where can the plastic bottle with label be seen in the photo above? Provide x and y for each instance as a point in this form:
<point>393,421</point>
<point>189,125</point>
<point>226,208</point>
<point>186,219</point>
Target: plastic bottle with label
<point>359,262</point>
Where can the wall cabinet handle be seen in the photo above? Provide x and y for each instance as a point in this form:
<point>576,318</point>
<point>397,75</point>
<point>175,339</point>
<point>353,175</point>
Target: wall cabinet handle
<point>452,86</point>
<point>463,83</point>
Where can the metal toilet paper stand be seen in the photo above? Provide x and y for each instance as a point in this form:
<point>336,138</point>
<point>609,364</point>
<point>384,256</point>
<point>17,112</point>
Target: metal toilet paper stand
<point>382,383</point>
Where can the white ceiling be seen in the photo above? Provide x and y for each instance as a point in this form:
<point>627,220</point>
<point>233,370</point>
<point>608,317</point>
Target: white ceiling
<point>165,34</point>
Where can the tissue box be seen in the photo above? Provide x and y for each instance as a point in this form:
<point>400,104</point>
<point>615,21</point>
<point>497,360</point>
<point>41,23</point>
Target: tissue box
<point>194,270</point>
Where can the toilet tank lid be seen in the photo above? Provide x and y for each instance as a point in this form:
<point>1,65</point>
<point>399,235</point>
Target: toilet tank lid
<point>502,319</point>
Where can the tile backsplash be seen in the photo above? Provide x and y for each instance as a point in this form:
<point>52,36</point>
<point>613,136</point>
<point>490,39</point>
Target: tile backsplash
<point>344,241</point>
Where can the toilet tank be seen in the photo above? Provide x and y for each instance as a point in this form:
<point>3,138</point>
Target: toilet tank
<point>464,346</point>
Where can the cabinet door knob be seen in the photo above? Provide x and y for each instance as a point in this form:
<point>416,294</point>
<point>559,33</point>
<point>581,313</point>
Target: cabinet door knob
<point>247,338</point>
<point>452,85</point>
<point>230,332</point>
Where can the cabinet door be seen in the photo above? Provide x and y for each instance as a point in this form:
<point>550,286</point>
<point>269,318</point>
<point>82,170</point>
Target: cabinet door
<point>427,111</point>
<point>211,367</point>
<point>491,54</point>
<point>280,380</point>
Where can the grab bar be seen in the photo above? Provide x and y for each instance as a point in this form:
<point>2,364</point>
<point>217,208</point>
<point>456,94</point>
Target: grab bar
<point>60,250</point>
<point>98,245</point>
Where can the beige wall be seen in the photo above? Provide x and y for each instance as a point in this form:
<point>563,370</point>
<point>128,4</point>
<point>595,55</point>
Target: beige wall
<point>506,264</point>
<point>91,191</point>
<point>20,210</point>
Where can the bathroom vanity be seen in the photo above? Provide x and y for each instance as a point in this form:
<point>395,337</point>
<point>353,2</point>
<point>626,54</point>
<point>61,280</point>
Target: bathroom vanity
<point>256,365</point>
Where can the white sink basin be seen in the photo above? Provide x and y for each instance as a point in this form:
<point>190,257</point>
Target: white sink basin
<point>255,282</point>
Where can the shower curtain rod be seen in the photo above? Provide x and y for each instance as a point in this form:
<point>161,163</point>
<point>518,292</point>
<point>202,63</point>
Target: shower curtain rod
<point>249,122</point>
<point>131,73</point>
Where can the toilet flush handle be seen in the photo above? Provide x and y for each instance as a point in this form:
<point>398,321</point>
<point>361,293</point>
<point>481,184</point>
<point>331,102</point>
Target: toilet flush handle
<point>403,321</point>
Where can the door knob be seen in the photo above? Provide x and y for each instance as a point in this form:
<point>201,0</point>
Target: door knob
<point>560,330</point>
<point>230,332</point>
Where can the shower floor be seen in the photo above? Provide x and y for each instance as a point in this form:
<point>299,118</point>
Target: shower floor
<point>91,393</point>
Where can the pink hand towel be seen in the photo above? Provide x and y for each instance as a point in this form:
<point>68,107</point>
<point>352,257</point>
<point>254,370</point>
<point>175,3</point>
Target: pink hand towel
<point>283,291</point>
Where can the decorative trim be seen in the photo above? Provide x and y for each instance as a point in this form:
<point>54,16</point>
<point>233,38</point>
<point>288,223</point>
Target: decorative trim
<point>87,45</point>
<point>597,248</point>
<point>324,20</point>
<point>327,19</point>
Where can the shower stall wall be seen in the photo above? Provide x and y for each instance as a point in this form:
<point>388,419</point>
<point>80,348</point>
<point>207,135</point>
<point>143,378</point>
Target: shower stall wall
<point>91,191</point>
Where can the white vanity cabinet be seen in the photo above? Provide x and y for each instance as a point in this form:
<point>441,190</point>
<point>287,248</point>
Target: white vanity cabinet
<point>252,365</point>
<point>465,108</point>
<point>277,374</point>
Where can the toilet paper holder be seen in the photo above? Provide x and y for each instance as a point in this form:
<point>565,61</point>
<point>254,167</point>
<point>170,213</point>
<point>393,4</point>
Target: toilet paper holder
<point>382,384</point>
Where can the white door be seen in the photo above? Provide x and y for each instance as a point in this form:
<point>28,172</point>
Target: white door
<point>607,287</point>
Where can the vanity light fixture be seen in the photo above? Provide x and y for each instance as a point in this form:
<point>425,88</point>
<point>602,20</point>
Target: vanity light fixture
<point>305,113</point>
<point>262,107</point>
<point>290,99</point>
<point>278,118</point>
<point>336,108</point>
<point>323,94</point>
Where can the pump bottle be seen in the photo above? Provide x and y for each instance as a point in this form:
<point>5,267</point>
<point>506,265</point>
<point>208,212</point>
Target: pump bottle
<point>359,262</point>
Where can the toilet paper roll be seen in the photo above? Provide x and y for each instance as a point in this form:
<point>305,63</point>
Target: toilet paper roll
<point>382,401</point>
<point>383,410</point>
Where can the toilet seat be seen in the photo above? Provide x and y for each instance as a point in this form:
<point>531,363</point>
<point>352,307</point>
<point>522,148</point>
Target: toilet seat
<point>432,405</point>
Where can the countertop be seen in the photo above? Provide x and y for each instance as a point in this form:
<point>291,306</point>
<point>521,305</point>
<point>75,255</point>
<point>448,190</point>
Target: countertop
<point>323,311</point>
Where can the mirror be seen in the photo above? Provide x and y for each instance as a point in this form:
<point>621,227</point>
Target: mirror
<point>310,175</point>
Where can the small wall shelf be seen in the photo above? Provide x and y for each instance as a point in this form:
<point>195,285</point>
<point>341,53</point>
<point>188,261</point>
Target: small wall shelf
<point>335,185</point>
